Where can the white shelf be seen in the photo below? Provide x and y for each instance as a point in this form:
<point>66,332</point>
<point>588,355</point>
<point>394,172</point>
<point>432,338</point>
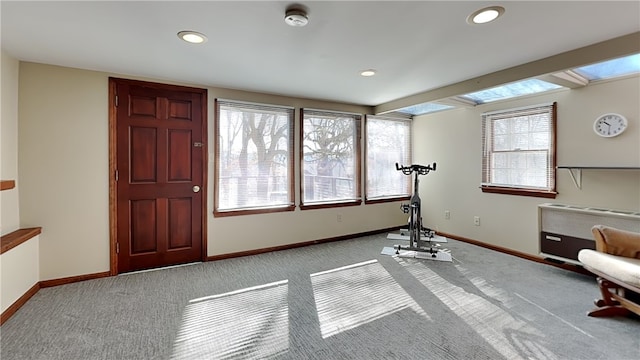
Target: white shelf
<point>576,171</point>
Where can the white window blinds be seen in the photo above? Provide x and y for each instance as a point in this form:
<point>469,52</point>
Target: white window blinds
<point>519,148</point>
<point>254,156</point>
<point>388,143</point>
<point>330,157</point>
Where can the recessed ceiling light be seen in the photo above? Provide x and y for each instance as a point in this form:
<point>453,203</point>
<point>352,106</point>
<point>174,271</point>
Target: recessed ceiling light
<point>485,15</point>
<point>193,37</point>
<point>369,72</point>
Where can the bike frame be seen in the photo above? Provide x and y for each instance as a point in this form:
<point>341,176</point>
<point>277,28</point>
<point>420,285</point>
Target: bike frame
<point>416,229</point>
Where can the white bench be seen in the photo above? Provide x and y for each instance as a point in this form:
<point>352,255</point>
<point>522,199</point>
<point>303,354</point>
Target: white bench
<point>616,262</point>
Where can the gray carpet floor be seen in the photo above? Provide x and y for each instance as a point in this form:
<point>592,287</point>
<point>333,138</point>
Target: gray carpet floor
<point>340,300</point>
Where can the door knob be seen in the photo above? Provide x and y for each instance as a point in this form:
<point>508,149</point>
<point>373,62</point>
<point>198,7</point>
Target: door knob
<point>196,188</point>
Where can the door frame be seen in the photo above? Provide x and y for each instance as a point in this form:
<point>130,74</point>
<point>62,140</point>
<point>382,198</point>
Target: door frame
<point>113,188</point>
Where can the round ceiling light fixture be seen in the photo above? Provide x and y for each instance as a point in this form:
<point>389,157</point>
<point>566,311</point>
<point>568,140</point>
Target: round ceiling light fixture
<point>485,15</point>
<point>296,17</point>
<point>368,72</point>
<point>193,37</point>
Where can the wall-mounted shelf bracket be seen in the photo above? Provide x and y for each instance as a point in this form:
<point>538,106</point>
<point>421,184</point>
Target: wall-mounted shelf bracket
<point>576,176</point>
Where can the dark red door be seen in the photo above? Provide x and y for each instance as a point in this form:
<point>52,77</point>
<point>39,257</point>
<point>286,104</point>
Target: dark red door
<point>160,152</point>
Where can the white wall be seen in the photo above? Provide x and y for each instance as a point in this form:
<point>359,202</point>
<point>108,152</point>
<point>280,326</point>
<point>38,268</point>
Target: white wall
<point>63,166</point>
<point>452,139</point>
<point>9,200</point>
<point>19,266</point>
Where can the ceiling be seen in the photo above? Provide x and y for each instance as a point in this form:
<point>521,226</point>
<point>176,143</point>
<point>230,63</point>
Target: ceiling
<point>415,46</point>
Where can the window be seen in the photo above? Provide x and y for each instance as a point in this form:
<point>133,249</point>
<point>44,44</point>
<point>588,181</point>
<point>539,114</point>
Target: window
<point>388,143</point>
<point>254,158</point>
<point>518,151</point>
<point>508,91</point>
<point>611,68</point>
<point>330,159</point>
<point>424,108</point>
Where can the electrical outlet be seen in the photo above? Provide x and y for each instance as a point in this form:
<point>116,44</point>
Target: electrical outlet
<point>476,220</point>
<point>339,218</point>
<point>447,214</point>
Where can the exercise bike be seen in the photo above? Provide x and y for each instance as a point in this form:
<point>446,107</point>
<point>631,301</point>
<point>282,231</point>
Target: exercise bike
<point>421,239</point>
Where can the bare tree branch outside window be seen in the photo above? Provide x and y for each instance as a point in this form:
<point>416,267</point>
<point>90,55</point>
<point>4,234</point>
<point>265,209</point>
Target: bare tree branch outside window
<point>329,152</point>
<point>254,153</point>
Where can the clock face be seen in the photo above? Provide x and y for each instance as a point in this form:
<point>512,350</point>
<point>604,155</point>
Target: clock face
<point>610,125</point>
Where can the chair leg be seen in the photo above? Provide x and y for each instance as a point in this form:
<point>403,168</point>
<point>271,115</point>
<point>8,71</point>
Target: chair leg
<point>604,286</point>
<point>609,311</point>
<point>607,306</point>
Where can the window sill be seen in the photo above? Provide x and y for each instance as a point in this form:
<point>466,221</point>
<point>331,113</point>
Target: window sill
<point>330,205</point>
<point>253,211</point>
<point>387,199</point>
<point>519,191</point>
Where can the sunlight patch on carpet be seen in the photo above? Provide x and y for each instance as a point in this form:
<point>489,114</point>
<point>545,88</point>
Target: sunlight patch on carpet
<point>507,301</point>
<point>251,323</point>
<point>358,294</point>
<point>510,335</point>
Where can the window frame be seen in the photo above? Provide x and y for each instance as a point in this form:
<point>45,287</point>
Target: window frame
<point>407,179</point>
<point>357,163</point>
<point>290,165</point>
<point>550,192</point>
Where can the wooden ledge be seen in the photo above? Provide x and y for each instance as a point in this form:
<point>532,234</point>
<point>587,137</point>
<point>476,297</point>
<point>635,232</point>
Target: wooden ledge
<point>17,237</point>
<point>7,184</point>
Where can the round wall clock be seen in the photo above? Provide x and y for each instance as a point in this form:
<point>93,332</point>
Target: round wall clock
<point>610,125</point>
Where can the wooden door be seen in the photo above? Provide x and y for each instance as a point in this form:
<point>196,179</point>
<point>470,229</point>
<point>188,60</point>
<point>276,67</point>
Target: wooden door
<point>160,163</point>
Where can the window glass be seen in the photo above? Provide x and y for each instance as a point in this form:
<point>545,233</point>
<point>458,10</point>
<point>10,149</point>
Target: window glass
<point>330,157</point>
<point>502,92</point>
<point>388,143</point>
<point>424,108</point>
<point>519,150</point>
<point>611,68</point>
<point>254,156</point>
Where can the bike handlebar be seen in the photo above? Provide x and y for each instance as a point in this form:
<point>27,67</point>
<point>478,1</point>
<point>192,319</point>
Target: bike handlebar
<point>420,169</point>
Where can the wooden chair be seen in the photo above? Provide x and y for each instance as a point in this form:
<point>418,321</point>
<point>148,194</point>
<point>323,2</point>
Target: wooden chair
<point>616,262</point>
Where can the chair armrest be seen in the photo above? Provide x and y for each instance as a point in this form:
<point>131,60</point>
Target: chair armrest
<point>616,242</point>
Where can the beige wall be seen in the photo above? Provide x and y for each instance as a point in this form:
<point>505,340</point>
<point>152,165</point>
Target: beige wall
<point>452,139</point>
<point>63,166</point>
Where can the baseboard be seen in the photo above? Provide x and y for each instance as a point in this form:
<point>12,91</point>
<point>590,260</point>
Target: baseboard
<point>73,279</point>
<point>300,244</point>
<point>18,303</point>
<point>45,284</point>
<point>539,259</point>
